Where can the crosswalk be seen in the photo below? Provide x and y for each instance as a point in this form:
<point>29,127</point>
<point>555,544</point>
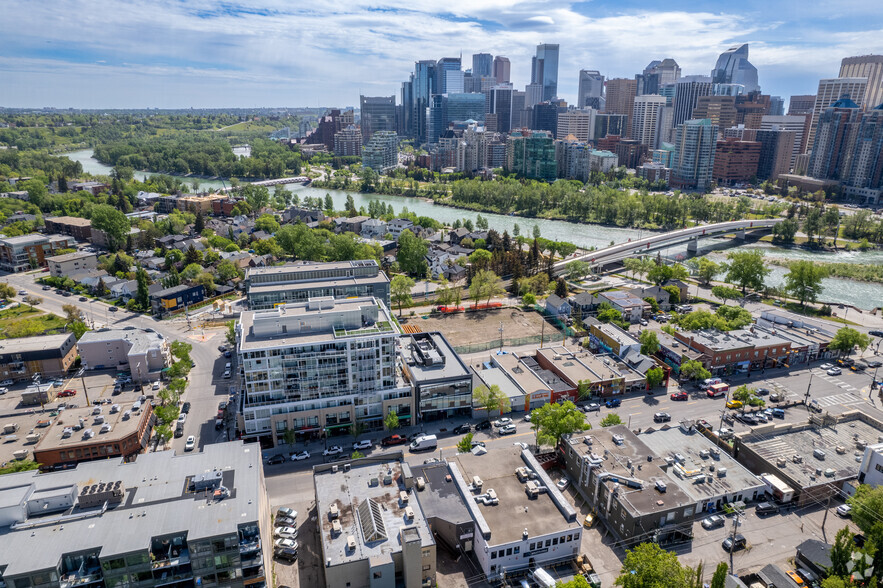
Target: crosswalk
<point>843,399</point>
<point>837,382</point>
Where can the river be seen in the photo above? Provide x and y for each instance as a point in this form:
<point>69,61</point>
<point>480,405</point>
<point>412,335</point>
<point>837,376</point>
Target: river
<point>837,290</point>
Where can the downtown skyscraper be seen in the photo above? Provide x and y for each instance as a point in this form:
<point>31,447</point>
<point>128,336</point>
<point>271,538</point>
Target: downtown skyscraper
<point>591,89</point>
<point>544,70</point>
<point>733,67</point>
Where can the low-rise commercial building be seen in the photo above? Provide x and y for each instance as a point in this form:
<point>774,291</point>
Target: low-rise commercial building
<point>582,367</point>
<point>47,355</point>
<point>738,350</point>
<point>61,266</point>
<point>90,433</point>
<point>267,287</point>
<point>145,353</point>
<point>653,486</point>
<point>78,228</point>
<point>27,252</point>
<point>198,519</point>
<point>372,529</point>
<point>318,367</point>
<point>441,381</point>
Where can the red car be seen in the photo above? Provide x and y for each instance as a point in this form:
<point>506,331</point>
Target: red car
<point>67,393</point>
<point>679,396</point>
<point>393,440</point>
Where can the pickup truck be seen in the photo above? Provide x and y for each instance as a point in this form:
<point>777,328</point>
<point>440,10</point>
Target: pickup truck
<point>393,440</point>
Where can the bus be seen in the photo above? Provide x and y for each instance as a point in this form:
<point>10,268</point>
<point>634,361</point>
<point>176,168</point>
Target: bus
<point>716,390</point>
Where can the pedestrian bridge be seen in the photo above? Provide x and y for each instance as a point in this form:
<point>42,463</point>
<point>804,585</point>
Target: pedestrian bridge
<point>297,180</point>
<point>690,236</point>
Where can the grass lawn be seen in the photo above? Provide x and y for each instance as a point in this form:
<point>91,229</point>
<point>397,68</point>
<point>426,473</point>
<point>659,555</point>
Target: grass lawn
<point>24,321</point>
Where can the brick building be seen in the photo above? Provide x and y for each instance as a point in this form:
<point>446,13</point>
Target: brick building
<point>735,161</point>
<point>78,228</point>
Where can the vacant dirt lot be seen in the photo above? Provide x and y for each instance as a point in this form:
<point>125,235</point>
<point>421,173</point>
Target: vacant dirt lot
<point>483,326</point>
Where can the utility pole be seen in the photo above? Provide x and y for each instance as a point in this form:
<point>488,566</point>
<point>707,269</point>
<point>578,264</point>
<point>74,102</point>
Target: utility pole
<point>827,508</point>
<point>733,540</point>
<point>806,397</point>
<point>501,335</point>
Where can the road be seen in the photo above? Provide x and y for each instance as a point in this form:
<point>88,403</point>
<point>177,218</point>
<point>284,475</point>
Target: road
<point>206,388</point>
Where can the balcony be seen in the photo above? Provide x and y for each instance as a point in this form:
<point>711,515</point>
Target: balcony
<point>81,577</point>
<point>248,545</point>
<point>174,557</point>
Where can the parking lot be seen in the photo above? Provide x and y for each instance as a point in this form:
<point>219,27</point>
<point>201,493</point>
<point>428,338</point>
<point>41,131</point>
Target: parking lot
<point>91,388</point>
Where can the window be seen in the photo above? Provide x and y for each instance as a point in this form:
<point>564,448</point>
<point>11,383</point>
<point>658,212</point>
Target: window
<point>517,550</point>
<point>378,575</point>
<point>509,551</point>
<point>548,542</point>
<point>493,555</point>
<point>555,541</point>
<point>533,546</point>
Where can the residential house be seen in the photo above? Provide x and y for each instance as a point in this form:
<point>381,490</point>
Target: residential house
<point>176,298</point>
<point>89,278</point>
<point>305,215</point>
<point>457,235</point>
<point>454,273</point>
<point>397,225</point>
<point>557,305</point>
<point>662,297</point>
<point>95,188</point>
<point>682,289</point>
<point>352,224</point>
<point>154,263</point>
<point>374,228</point>
<point>584,303</point>
<point>631,307</point>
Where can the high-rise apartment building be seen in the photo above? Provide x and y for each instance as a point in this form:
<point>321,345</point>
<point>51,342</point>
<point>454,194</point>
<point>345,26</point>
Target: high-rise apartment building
<point>693,165</point>
<point>545,117</point>
<point>751,108</point>
<point>533,95</point>
<point>864,175</point>
<point>777,106</point>
<point>348,142</point>
<point>646,119</point>
<point>835,134</point>
<point>501,106</point>
<point>532,154</point>
<point>721,110</point>
<point>733,67</point>
<point>579,123</point>
<point>621,94</point>
<point>520,114</point>
<point>544,70</point>
<point>688,89</point>
<point>797,124</point>
<point>482,64</point>
<point>378,114</point>
<point>464,107</point>
<point>866,66</point>
<point>830,91</point>
<point>776,151</point>
<point>319,367</point>
<point>382,151</point>
<point>802,104</point>
<point>735,161</point>
<point>501,69</point>
<point>421,87</point>
<point>591,89</point>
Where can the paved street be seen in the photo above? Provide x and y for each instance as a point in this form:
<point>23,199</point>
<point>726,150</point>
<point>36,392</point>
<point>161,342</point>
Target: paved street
<point>206,387</point>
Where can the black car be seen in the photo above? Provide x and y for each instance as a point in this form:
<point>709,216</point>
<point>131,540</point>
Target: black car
<point>222,405</point>
<point>613,402</point>
<point>874,363</point>
<point>83,299</point>
<point>766,508</point>
<point>661,417</point>
<point>113,309</point>
<point>876,333</point>
<point>462,429</point>
<point>179,432</point>
<point>66,294</point>
<point>185,408</point>
<point>734,543</point>
<point>762,392</point>
<point>285,553</point>
<point>276,459</point>
<point>483,426</point>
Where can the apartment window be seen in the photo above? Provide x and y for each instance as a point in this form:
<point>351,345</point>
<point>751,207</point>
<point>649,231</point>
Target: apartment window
<point>426,568</point>
<point>509,551</point>
<point>555,541</point>
<point>548,542</point>
<point>517,550</point>
<point>533,545</point>
<point>493,555</point>
<point>378,575</point>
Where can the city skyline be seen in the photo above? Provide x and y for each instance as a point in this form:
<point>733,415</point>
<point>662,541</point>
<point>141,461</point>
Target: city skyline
<point>251,54</point>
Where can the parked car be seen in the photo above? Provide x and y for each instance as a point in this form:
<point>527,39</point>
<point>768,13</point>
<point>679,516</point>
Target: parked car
<point>875,334</point>
<point>502,422</point>
<point>285,532</point>
<point>762,392</point>
<point>713,522</point>
<point>680,396</point>
<point>661,417</point>
<point>734,404</point>
<point>111,309</point>
<point>734,543</point>
<point>3,390</point>
<point>613,402</point>
<point>190,443</point>
<point>562,484</point>
<point>182,418</point>
<point>593,407</point>
<point>508,429</point>
<point>226,374</point>
<point>393,440</point>
<point>285,542</point>
<point>64,394</point>
<point>363,444</point>
<point>462,429</point>
<point>284,522</point>
<point>844,510</point>
<point>300,456</point>
<point>155,386</point>
<point>8,382</point>
<point>333,450</point>
<point>826,366</point>
<point>286,512</point>
<point>185,408</point>
<point>276,459</point>
<point>286,553</point>
<point>766,508</point>
<point>47,287</point>
<point>483,426</point>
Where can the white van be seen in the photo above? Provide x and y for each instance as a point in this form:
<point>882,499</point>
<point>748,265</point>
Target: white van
<point>543,578</point>
<point>424,443</point>
<point>710,381</point>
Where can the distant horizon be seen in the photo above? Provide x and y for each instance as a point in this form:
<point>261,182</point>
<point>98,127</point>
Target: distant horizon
<point>170,55</point>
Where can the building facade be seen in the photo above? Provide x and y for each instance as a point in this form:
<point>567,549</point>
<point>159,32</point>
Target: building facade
<point>735,161</point>
<point>441,381</point>
<point>71,263</point>
<point>646,119</point>
<point>378,113</point>
<point>776,150</point>
<point>620,100</point>
<point>591,89</point>
<point>532,154</point>
<point>382,151</point>
<point>870,67</point>
<point>145,353</point>
<point>78,228</point>
<point>695,143</point>
<point>26,252</point>
<point>830,91</point>
<point>48,355</point>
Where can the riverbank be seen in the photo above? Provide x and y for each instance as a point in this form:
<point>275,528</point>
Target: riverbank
<point>853,271</point>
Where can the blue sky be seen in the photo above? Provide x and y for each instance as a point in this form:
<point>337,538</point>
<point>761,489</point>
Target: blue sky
<point>249,53</point>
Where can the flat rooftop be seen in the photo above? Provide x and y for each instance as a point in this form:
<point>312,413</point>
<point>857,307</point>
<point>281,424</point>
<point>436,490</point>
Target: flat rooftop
<point>443,362</point>
<point>547,513</point>
<point>307,284</point>
<point>367,497</point>
<point>71,256</point>
<point>140,340</point>
<point>772,442</point>
<point>31,344</point>
<point>70,220</point>
<point>156,502</point>
<point>440,498</point>
<point>716,340</point>
<point>495,375</point>
<point>617,334</point>
<point>308,266</point>
<point>520,373</point>
<point>672,441</point>
<point>580,365</point>
<point>122,425</point>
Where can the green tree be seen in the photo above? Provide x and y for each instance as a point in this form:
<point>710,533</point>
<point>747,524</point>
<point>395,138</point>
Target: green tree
<point>649,342</point>
<point>491,399</point>
<point>199,223</point>
<point>113,222</point>
<point>465,444</point>
<point>846,339</point>
<point>725,293</point>
<point>561,288</point>
<point>412,252</point>
<point>707,270</point>
<point>480,259</point>
<point>485,285</point>
<point>529,299</point>
<point>193,255</point>
<point>79,328</point>
<point>660,273</point>
<point>747,269</point>
<point>693,370</point>
<point>719,579</point>
<point>867,504</point>
<point>552,421</point>
<point>142,297</point>
<point>804,280</point>
<point>7,292</point>
<point>266,223</point>
<point>674,294</point>
<point>577,582</point>
<point>650,566</point>
<point>841,552</point>
<point>786,230</point>
<point>400,291</point>
<point>231,333</point>
<point>391,422</point>
<point>71,312</point>
<point>655,376</point>
<point>577,269</point>
<point>610,420</point>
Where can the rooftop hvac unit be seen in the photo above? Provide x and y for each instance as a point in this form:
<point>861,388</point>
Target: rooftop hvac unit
<point>137,406</point>
<point>126,415</point>
<point>106,428</point>
<point>476,481</point>
<point>797,458</point>
<point>114,409</point>
<point>409,513</point>
<point>333,512</point>
<point>99,419</point>
<point>840,449</point>
<point>818,454</point>
<point>387,480</point>
<point>618,439</point>
<point>522,473</point>
<point>350,542</point>
<point>96,410</point>
<point>67,432</point>
<point>781,461</point>
<point>335,527</point>
<point>403,497</point>
<point>532,489</point>
<point>88,434</point>
<point>861,443</point>
<point>421,483</point>
<point>721,472</point>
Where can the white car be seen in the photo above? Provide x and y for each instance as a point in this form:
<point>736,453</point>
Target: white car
<point>844,510</point>
<point>285,532</point>
<point>333,450</point>
<point>182,418</point>
<point>7,383</point>
<point>4,390</point>
<point>826,366</point>
<point>502,422</point>
<point>155,386</point>
<point>300,456</point>
<point>834,371</point>
<point>227,374</point>
<point>508,429</point>
<point>363,444</point>
<point>562,484</point>
<point>285,543</point>
<point>190,444</point>
<point>22,292</point>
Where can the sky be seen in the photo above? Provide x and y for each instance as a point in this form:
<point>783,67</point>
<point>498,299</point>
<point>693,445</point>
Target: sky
<point>266,53</point>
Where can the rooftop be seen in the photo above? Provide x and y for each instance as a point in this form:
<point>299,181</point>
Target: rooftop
<point>70,256</point>
<point>367,496</point>
<point>30,239</point>
<point>305,284</point>
<point>440,498</point>
<point>140,340</point>
<point>31,344</point>
<point>307,266</point>
<point>496,376</point>
<point>548,513</point>
<point>121,419</point>
<point>429,357</point>
<point>70,220</point>
<point>158,499</point>
<point>577,367</point>
<point>853,431</point>
<point>528,381</point>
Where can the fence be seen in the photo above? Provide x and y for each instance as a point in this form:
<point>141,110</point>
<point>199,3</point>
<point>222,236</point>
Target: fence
<point>516,342</point>
<point>554,320</point>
